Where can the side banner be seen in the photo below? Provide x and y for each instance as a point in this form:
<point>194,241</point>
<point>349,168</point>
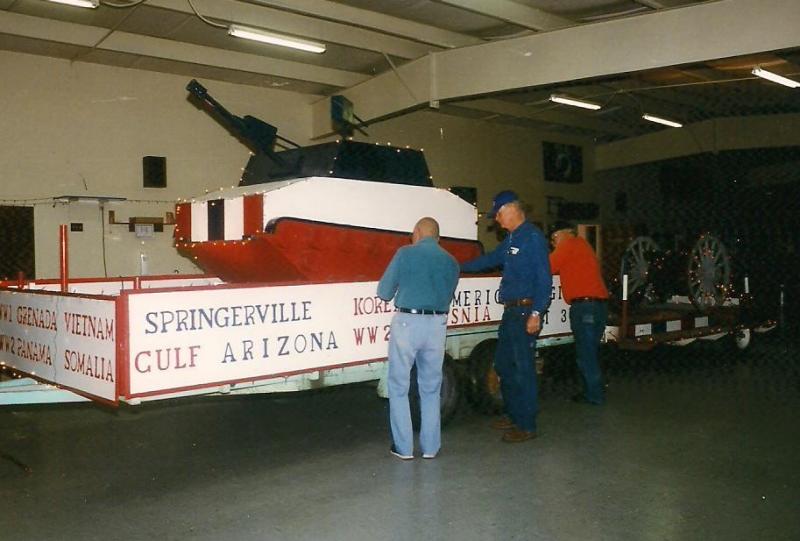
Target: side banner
<point>181,339</point>
<point>65,340</point>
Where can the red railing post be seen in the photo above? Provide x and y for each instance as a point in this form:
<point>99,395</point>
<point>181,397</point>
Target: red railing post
<point>63,257</point>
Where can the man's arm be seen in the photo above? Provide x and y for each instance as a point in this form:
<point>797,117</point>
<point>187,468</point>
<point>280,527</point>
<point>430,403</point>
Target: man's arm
<point>387,286</point>
<point>488,261</point>
<point>557,258</point>
<point>541,275</point>
<point>455,272</point>
<point>542,284</point>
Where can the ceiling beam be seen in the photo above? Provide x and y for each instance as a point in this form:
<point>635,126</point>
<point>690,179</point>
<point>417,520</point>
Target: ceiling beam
<point>652,40</point>
<point>546,115</point>
<point>651,98</point>
<point>299,25</point>
<point>652,4</point>
<point>511,12</point>
<point>768,131</point>
<point>123,42</point>
<point>333,11</point>
<point>211,56</point>
<point>15,24</point>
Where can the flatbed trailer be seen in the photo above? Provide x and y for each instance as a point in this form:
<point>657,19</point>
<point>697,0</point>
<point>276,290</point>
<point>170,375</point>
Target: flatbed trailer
<point>679,322</point>
<point>137,339</point>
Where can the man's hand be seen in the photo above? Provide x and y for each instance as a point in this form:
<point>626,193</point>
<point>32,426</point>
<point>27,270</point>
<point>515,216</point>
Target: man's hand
<point>534,323</point>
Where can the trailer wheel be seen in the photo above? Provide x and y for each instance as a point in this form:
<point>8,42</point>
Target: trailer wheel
<point>742,339</point>
<point>450,394</point>
<point>709,272</point>
<point>451,391</point>
<point>484,385</point>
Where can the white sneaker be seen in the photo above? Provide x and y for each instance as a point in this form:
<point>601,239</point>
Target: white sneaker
<point>393,451</point>
<point>429,455</point>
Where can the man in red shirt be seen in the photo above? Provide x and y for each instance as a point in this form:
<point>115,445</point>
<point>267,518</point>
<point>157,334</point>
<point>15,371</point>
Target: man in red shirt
<point>583,289</point>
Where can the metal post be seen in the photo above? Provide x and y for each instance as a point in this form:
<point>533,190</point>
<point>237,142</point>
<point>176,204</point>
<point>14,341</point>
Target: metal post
<point>781,320</point>
<point>623,324</point>
<point>20,280</point>
<point>63,257</point>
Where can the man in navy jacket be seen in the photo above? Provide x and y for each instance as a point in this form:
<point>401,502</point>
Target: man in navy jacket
<point>525,293</point>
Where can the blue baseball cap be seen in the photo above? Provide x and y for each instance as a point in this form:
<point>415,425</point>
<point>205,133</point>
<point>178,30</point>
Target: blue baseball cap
<point>502,198</point>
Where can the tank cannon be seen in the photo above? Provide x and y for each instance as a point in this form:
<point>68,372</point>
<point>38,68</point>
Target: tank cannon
<point>256,134</point>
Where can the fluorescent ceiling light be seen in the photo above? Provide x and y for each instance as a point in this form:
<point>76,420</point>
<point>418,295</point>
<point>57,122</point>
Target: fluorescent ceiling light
<point>574,102</point>
<point>79,3</point>
<point>664,121</point>
<point>275,39</point>
<point>775,78</point>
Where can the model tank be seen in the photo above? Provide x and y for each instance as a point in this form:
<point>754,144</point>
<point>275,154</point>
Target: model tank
<point>335,211</point>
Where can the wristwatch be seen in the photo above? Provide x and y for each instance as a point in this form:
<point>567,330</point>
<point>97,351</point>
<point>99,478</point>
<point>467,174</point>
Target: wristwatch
<point>536,313</point>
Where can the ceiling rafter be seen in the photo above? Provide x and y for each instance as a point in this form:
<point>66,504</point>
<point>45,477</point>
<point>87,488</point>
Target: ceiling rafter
<point>545,114</point>
<point>89,36</point>
<point>299,25</point>
<point>652,4</point>
<point>644,96</point>
<point>511,12</point>
<point>674,64</point>
<point>332,11</point>
<point>550,58</point>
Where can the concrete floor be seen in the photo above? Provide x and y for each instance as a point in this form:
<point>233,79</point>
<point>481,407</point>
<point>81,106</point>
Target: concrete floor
<point>689,446</point>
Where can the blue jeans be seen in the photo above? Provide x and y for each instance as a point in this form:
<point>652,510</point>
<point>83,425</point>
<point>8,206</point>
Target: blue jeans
<point>588,322</point>
<point>515,365</point>
<point>416,338</point>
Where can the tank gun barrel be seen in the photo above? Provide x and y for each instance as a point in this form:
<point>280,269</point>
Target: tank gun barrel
<point>256,133</point>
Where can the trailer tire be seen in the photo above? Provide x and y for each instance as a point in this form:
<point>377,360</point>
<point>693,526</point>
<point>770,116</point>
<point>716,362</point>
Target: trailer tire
<point>450,394</point>
<point>741,340</point>
<point>451,391</point>
<point>484,385</point>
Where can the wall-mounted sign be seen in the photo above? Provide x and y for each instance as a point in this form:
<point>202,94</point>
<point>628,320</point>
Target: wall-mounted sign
<point>562,162</point>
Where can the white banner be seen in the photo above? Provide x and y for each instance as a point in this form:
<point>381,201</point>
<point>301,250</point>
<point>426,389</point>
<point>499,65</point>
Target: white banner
<point>181,339</point>
<point>62,339</point>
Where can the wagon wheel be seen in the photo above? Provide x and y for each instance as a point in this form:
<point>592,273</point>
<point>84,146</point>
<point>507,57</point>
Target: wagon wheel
<point>637,262</point>
<point>709,272</point>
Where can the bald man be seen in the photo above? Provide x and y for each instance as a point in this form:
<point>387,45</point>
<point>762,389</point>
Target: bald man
<point>421,278</point>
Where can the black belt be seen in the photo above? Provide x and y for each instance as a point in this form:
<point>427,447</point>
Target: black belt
<point>423,312</point>
<point>518,302</point>
<point>587,299</point>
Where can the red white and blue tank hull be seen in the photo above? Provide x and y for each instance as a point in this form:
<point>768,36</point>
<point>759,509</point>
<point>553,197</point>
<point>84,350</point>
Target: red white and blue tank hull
<point>317,229</point>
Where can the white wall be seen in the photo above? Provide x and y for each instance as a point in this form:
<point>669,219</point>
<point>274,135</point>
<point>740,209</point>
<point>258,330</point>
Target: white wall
<point>82,129</point>
<point>490,157</point>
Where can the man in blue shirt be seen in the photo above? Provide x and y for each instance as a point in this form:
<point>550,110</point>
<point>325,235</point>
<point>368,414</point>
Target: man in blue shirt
<point>421,278</point>
<point>525,292</point>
